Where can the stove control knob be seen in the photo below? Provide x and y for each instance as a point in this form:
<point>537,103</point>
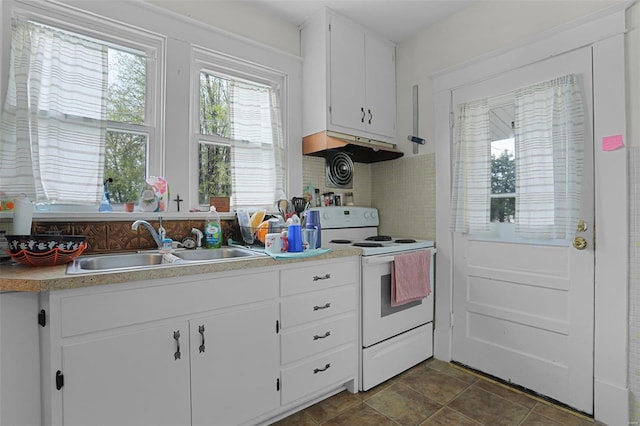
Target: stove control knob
<point>366,215</point>
<point>374,215</point>
<point>325,215</point>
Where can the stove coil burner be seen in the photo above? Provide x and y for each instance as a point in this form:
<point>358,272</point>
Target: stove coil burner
<point>405,241</point>
<point>378,238</point>
<point>365,244</point>
<point>340,241</point>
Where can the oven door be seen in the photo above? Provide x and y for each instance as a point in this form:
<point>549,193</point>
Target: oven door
<point>380,320</point>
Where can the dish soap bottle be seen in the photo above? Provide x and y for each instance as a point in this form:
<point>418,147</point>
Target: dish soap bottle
<point>212,229</point>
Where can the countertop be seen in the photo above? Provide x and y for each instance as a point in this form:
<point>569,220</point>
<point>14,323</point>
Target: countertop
<point>17,277</point>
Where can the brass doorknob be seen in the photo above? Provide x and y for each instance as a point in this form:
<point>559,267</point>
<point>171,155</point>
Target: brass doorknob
<point>580,243</point>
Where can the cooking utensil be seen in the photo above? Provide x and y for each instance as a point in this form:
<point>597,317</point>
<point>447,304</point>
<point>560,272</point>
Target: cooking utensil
<point>299,204</point>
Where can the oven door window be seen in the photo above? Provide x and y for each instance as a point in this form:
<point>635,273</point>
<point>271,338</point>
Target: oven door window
<point>385,298</point>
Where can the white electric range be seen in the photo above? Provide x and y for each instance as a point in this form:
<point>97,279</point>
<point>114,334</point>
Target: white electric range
<point>392,339</point>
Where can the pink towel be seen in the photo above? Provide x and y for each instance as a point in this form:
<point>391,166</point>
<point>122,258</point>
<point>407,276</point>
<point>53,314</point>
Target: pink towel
<point>410,279</point>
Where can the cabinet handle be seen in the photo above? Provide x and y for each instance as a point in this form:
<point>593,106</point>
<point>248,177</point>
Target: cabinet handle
<point>363,114</point>
<point>201,331</point>
<point>320,370</point>
<point>324,336</point>
<point>325,306</point>
<point>176,336</point>
<point>370,116</point>
<point>324,277</point>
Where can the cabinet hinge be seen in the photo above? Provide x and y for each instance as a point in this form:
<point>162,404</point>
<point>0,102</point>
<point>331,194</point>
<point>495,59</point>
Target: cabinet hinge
<point>42,318</point>
<point>451,120</point>
<point>329,27</point>
<point>451,317</point>
<point>59,380</point>
<point>277,326</point>
<point>278,384</point>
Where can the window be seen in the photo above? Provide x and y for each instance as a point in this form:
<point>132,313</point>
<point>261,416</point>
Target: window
<point>78,111</point>
<point>503,163</point>
<point>518,163</point>
<point>239,137</point>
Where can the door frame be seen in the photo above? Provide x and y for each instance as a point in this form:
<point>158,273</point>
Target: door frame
<point>605,34</point>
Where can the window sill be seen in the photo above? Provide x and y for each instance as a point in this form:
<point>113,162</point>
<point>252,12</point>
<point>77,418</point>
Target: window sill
<point>117,216</point>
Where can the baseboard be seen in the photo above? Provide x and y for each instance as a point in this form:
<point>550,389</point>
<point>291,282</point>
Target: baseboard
<point>611,404</point>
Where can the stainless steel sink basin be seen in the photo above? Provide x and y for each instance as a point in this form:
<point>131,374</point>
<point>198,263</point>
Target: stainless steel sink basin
<point>215,254</point>
<point>109,262</point>
<point>119,262</point>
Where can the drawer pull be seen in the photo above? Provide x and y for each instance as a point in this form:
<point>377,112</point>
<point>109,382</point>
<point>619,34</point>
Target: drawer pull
<point>176,336</point>
<point>324,277</point>
<point>325,306</point>
<point>324,336</point>
<point>201,331</point>
<point>320,370</point>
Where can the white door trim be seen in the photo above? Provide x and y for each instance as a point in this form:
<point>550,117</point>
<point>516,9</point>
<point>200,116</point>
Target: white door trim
<point>606,35</point>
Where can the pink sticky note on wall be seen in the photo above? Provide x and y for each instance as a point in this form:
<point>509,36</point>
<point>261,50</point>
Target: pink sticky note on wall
<point>610,143</point>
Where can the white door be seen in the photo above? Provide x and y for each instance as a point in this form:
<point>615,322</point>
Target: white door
<point>134,378</point>
<point>524,311</point>
<point>347,75</point>
<point>234,366</point>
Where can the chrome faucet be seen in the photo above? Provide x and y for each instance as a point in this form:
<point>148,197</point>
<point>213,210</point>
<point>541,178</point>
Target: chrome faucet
<point>157,236</point>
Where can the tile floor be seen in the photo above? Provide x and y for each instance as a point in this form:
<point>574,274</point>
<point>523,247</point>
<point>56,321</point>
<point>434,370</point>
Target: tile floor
<point>436,393</point>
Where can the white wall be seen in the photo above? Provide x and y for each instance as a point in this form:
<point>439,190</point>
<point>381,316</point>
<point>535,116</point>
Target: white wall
<point>483,27</point>
<point>239,18</point>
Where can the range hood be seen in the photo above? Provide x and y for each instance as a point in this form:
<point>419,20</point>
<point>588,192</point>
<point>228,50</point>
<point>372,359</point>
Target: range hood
<point>361,150</point>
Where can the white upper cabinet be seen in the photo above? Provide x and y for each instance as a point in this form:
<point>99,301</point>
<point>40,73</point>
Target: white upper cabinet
<point>349,79</point>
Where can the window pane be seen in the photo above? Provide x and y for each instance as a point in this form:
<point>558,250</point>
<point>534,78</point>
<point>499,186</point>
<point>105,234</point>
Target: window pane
<point>125,162</point>
<point>127,87</point>
<point>503,180</point>
<point>214,105</point>
<point>215,171</point>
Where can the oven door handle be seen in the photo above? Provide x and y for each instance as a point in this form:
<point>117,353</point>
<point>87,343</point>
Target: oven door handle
<point>374,260</point>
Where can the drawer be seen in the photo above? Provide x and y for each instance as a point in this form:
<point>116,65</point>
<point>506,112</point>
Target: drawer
<point>333,368</point>
<point>318,277</point>
<point>94,309</point>
<point>317,338</point>
<point>316,306</point>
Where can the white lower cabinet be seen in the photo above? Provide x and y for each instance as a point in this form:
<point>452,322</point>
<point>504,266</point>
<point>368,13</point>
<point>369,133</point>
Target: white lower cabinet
<point>233,348</point>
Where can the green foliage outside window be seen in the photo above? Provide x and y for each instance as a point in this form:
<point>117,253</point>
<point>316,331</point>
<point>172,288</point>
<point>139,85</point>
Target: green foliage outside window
<point>503,181</point>
<point>126,152</point>
<point>214,157</point>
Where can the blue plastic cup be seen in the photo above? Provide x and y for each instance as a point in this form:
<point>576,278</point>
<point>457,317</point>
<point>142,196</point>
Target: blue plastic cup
<point>294,237</point>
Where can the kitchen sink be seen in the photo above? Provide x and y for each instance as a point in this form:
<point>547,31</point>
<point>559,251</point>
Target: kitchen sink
<point>118,262</point>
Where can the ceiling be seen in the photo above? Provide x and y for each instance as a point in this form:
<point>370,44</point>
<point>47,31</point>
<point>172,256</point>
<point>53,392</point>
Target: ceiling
<point>394,19</point>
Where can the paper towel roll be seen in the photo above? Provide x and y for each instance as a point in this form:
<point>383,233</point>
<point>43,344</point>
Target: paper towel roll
<point>22,216</point>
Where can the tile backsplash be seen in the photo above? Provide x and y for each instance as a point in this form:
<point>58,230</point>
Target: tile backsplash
<point>403,191</point>
<point>117,236</point>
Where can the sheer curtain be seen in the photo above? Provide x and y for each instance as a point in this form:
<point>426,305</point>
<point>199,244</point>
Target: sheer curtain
<point>258,148</point>
<point>52,135</point>
<point>549,149</point>
<point>471,191</point>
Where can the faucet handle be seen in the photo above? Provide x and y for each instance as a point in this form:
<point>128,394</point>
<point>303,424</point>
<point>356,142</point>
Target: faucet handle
<point>162,233</point>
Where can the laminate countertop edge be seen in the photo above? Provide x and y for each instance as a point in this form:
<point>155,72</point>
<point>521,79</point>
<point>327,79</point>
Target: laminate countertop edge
<point>17,277</point>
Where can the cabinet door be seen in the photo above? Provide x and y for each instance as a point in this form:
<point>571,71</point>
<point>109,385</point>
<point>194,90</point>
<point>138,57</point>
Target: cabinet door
<point>380,87</point>
<point>234,366</point>
<point>128,379</point>
<point>347,73</point>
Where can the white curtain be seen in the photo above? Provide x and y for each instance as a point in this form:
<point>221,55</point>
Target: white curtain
<point>549,149</point>
<point>471,189</point>
<point>52,133</point>
<point>258,150</point>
